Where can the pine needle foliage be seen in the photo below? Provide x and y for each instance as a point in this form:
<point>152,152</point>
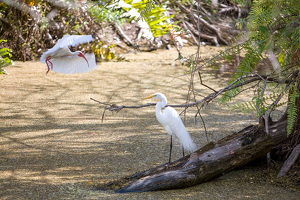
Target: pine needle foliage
<point>103,14</point>
<point>292,109</point>
<point>252,106</point>
<point>153,14</point>
<point>273,27</point>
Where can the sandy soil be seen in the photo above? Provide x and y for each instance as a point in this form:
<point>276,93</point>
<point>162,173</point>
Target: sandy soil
<point>53,144</point>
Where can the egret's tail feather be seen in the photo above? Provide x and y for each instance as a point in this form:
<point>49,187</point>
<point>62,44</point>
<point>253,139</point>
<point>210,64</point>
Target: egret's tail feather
<point>188,144</point>
<point>186,140</point>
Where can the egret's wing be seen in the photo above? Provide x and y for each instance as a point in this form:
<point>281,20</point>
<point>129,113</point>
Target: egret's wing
<point>65,42</point>
<point>74,64</point>
<point>177,127</point>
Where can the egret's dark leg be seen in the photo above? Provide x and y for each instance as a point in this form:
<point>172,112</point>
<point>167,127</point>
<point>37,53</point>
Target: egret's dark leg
<point>170,150</point>
<point>182,151</point>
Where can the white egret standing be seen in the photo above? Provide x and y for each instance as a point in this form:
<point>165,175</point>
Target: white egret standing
<point>60,59</point>
<point>173,124</point>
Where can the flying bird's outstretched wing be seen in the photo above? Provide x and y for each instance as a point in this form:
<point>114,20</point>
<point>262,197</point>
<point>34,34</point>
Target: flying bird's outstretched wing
<point>63,44</point>
<point>73,40</point>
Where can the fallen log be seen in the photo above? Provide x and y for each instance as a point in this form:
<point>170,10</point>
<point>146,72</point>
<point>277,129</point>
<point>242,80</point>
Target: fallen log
<point>209,162</point>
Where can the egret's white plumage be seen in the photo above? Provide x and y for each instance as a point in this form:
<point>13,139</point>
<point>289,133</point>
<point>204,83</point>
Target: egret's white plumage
<point>60,59</point>
<point>172,123</point>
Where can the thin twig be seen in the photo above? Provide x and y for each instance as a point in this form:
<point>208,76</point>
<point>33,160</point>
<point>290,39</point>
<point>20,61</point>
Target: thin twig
<point>204,126</point>
<point>201,82</point>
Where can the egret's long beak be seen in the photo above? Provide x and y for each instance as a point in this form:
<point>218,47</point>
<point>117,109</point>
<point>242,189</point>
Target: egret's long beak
<point>149,97</point>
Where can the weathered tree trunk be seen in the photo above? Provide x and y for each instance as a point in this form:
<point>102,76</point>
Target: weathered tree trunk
<point>209,162</point>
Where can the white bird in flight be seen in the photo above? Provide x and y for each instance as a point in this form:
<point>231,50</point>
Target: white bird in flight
<point>173,124</point>
<point>60,59</point>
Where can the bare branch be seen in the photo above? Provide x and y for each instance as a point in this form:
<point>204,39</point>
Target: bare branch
<point>114,107</point>
<point>237,83</point>
<point>33,11</point>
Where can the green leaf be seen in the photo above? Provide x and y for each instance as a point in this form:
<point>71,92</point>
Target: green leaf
<point>264,30</point>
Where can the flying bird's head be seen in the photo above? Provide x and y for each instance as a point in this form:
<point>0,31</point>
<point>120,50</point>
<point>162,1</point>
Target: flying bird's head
<point>80,54</point>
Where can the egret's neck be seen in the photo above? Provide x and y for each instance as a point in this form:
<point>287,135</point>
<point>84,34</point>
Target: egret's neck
<point>159,106</point>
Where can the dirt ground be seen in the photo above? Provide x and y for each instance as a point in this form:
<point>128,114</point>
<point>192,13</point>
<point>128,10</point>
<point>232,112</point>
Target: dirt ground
<point>53,144</point>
